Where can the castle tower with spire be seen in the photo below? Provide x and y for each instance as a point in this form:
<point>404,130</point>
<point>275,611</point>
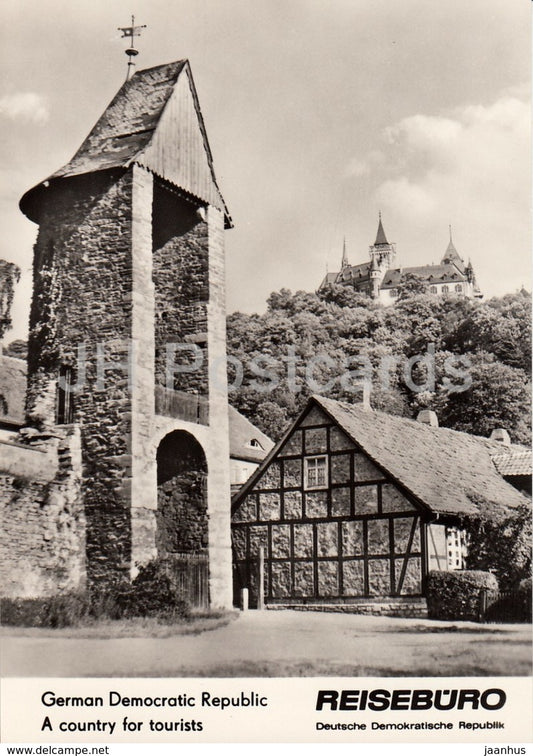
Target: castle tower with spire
<point>127,339</point>
<point>382,255</point>
<point>381,280</point>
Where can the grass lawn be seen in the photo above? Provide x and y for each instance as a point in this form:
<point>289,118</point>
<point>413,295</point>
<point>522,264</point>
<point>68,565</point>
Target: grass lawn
<point>137,627</point>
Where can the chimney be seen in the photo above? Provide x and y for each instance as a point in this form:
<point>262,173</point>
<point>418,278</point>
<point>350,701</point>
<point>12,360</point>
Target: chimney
<point>428,417</point>
<point>501,436</point>
<point>367,390</point>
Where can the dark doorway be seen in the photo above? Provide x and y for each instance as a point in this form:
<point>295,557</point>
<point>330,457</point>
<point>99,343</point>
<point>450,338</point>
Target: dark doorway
<point>181,496</point>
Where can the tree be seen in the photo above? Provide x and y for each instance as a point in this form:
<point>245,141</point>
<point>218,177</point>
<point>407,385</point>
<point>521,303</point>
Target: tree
<point>503,547</point>
<point>9,276</point>
<point>499,397</point>
<point>344,296</point>
<point>410,285</point>
<point>501,326</point>
<point>337,326</point>
<point>18,349</point>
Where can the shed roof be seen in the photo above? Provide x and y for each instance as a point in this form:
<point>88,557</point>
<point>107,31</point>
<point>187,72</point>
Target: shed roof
<point>127,128</point>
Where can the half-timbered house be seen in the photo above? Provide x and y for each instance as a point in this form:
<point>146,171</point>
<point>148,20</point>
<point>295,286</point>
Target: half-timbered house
<point>354,505</point>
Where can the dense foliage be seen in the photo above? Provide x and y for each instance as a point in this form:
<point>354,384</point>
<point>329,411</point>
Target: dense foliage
<point>456,595</point>
<point>468,360</point>
<point>504,548</point>
<point>9,277</point>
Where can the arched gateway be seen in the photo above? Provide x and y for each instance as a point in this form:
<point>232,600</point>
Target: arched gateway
<point>181,496</point>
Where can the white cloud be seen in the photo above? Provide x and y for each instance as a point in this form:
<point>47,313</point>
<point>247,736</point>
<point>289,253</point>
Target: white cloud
<point>479,157</point>
<point>470,168</point>
<point>407,198</point>
<point>24,106</point>
<point>364,166</point>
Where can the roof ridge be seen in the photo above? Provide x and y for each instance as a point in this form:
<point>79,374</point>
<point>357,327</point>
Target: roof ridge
<point>414,421</point>
<point>160,65</point>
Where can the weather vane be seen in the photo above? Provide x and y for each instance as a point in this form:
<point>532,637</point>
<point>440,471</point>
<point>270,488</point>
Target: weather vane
<point>131,32</point>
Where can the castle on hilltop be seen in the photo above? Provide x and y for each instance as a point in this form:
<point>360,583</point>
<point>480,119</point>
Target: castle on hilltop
<point>380,279</point>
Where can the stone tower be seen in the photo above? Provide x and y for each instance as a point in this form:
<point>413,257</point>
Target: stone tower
<point>382,256</point>
<point>127,330</point>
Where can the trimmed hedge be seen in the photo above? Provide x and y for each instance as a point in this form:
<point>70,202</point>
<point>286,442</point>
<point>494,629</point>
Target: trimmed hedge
<point>455,595</point>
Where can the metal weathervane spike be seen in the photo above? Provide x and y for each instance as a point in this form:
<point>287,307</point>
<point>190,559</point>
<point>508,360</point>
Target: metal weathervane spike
<point>131,32</point>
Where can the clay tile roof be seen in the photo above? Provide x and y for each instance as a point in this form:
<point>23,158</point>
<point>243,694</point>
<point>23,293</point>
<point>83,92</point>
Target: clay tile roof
<point>515,462</point>
<point>241,433</point>
<point>356,271</point>
<point>329,278</point>
<point>447,471</point>
<point>445,273</point>
<point>126,127</point>
<point>12,389</point>
<point>452,256</point>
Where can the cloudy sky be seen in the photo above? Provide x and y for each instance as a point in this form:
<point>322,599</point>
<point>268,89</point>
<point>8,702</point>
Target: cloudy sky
<point>320,113</point>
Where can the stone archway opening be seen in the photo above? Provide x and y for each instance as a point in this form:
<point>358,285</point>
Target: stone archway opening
<point>182,519</point>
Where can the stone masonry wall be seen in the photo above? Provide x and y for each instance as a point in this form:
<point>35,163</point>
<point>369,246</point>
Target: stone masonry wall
<point>180,274</point>
<point>42,540</point>
<point>83,294</point>
<point>217,450</point>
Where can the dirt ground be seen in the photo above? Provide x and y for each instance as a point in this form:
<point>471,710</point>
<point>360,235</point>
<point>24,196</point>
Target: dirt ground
<point>277,644</point>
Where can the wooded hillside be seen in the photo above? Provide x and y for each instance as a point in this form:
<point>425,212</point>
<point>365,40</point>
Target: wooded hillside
<point>330,342</point>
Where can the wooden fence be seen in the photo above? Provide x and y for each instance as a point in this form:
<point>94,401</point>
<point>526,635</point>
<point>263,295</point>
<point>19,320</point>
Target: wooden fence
<point>189,575</point>
<point>504,606</point>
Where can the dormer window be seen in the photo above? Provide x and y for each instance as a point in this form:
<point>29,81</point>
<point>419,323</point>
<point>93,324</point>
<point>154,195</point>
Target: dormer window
<point>254,443</point>
<point>316,472</point>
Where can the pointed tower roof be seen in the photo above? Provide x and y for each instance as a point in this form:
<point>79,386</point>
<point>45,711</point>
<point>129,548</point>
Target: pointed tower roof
<point>344,261</point>
<point>452,255</point>
<point>153,120</point>
<point>381,239</point>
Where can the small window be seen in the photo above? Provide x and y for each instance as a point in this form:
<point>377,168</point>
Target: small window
<point>432,289</point>
<point>458,288</point>
<point>445,289</point>
<point>316,472</point>
<point>254,443</point>
<point>65,403</point>
<point>3,405</point>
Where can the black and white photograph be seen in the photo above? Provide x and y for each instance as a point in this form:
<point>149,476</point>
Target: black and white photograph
<point>265,369</point>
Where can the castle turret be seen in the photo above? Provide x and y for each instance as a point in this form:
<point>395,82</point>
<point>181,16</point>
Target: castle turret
<point>451,256</point>
<point>344,261</point>
<point>382,256</point>
<point>127,330</point>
